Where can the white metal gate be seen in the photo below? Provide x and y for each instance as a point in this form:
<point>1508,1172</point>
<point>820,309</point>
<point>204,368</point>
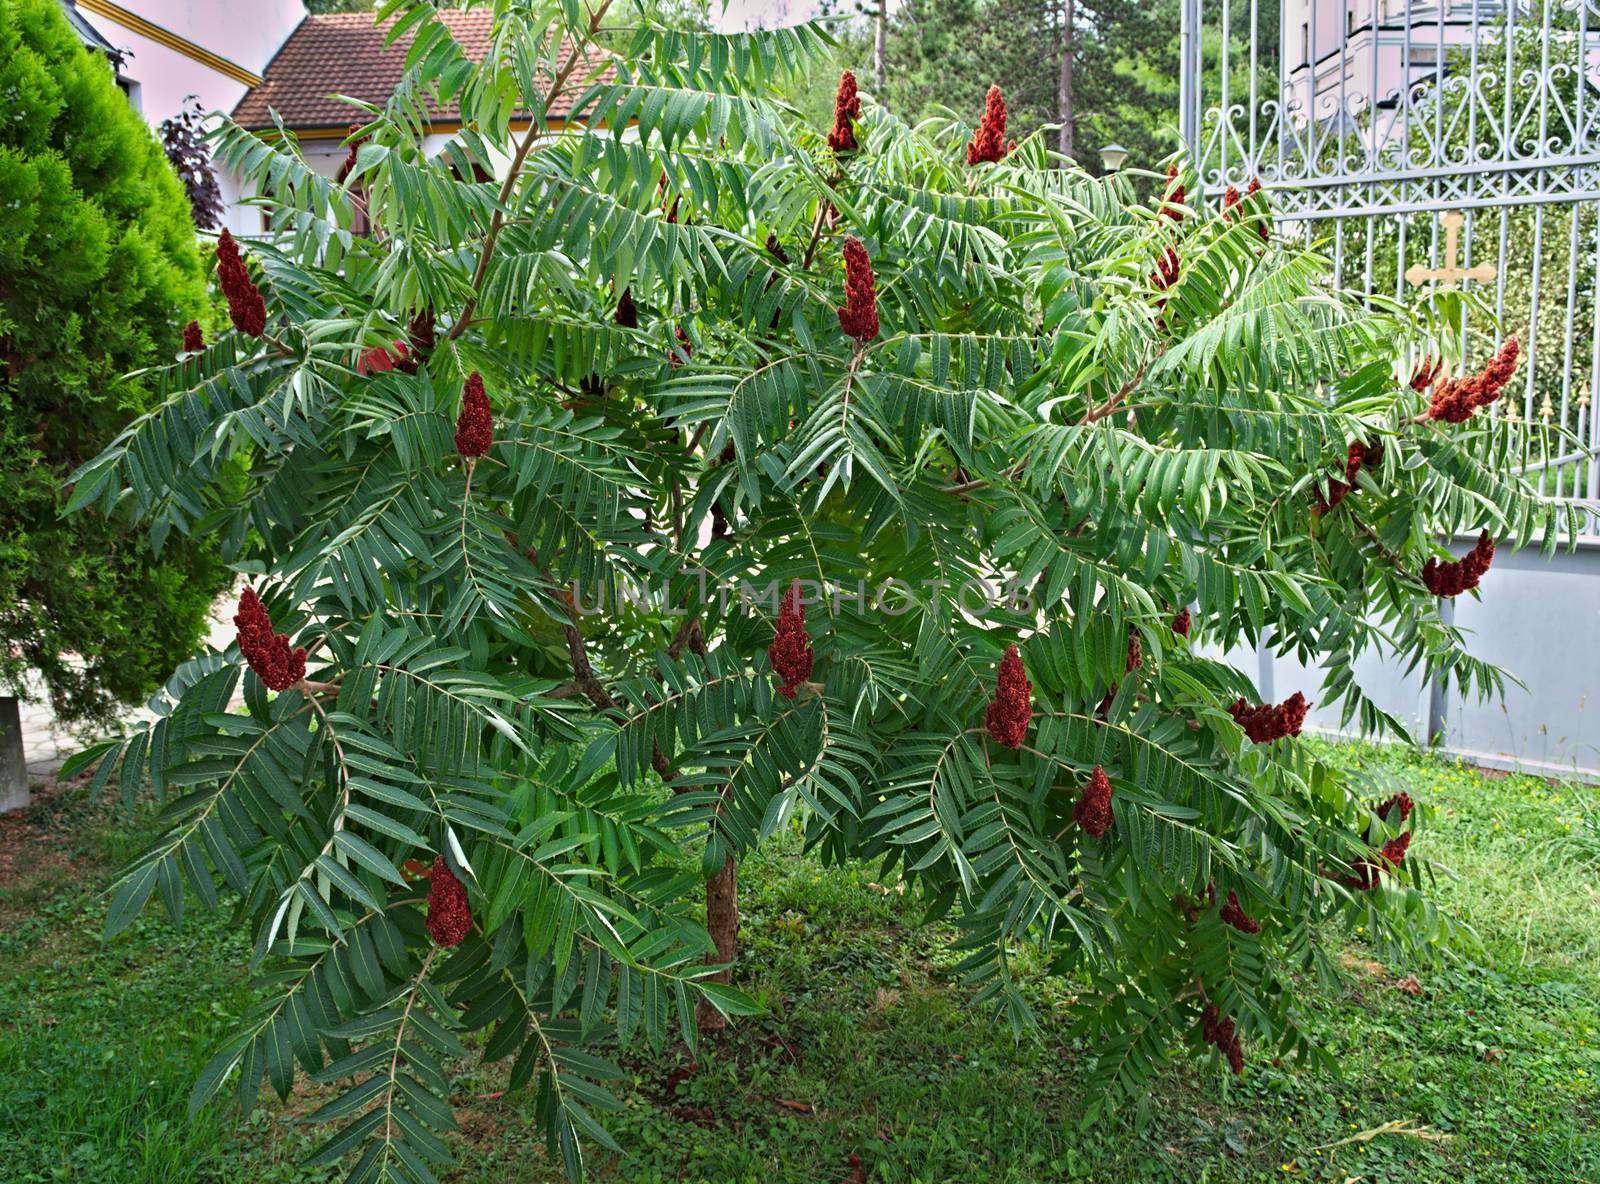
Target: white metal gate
<point>1454,142</point>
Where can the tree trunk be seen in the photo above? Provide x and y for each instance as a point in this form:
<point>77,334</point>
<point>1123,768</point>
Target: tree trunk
<point>722,921</point>
<point>880,68</point>
<point>13,768</point>
<point>1064,90</point>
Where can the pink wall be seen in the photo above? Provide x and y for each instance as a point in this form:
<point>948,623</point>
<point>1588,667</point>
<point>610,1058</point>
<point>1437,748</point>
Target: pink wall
<point>246,34</point>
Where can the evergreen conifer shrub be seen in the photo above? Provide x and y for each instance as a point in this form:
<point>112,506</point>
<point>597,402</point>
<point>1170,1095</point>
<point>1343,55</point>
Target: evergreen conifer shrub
<point>98,274</point>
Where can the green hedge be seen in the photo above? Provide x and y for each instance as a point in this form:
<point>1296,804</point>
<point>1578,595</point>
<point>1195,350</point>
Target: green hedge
<point>98,273</point>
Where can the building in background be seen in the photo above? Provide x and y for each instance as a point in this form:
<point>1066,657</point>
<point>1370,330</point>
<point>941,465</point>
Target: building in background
<point>172,49</point>
<point>167,50</point>
<point>268,56</point>
<point>1338,54</point>
<point>346,54</point>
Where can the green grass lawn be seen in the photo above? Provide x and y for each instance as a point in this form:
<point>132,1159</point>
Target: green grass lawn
<point>868,1051</point>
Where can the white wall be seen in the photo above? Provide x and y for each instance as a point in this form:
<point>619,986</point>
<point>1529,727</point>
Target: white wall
<point>325,156</point>
<point>246,34</point>
<point>1535,618</point>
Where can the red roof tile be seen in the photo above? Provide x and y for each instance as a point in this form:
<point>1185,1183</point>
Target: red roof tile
<point>345,54</point>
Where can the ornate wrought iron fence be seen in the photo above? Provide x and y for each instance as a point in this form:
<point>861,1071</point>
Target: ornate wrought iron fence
<point>1443,144</point>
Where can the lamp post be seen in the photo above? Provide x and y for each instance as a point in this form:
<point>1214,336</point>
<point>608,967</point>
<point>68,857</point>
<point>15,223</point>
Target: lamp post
<point>1113,157</point>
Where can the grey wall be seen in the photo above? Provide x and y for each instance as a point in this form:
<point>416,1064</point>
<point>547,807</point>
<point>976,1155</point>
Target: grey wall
<point>1536,618</point>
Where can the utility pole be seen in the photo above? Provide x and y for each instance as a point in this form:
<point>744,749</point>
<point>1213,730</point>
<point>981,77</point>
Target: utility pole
<point>880,68</point>
<point>1064,91</point>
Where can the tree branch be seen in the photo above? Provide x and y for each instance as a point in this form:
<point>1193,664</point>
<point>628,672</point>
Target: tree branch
<point>536,130</point>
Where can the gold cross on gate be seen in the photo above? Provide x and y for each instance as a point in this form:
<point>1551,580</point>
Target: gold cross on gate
<point>1450,273</point>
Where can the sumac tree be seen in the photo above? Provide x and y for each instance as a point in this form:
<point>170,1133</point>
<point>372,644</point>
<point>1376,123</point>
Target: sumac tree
<point>514,456</point>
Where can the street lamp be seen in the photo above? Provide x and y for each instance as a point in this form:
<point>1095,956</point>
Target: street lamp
<point>1113,156</point>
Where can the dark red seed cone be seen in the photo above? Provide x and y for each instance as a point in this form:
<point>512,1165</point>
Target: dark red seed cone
<point>245,306</point>
<point>268,653</point>
<point>1455,400</point>
<point>1400,802</point>
<point>989,142</point>
<point>1093,810</point>
<point>846,110</point>
<point>475,427</point>
<point>1011,709</point>
<point>859,316</point>
<point>1233,914</point>
<point>1172,202</point>
<point>449,915</point>
<point>791,652</point>
<point>1463,575</point>
<point>1267,723</point>
<point>627,314</point>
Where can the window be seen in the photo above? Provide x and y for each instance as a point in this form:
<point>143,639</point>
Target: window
<point>1305,43</point>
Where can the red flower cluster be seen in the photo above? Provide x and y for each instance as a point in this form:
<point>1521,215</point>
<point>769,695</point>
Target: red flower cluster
<point>1134,660</point>
<point>1452,579</point>
<point>267,652</point>
<point>1233,914</point>
<point>1394,851</point>
<point>1263,227</point>
<point>421,331</point>
<point>193,340</point>
<point>859,316</point>
<point>449,916</point>
<point>684,348</point>
<point>1225,1035</point>
<point>791,651</point>
<point>1455,399</point>
<point>989,143</point>
<point>1093,810</point>
<point>1231,201</point>
<point>1426,373</point>
<point>1166,272</point>
<point>1390,857</point>
<point>1267,723</point>
<point>377,360</point>
<point>1394,810</point>
<point>661,193</point>
<point>1011,709</point>
<point>349,164</point>
<point>1135,652</point>
<point>1183,622</point>
<point>627,314</point>
<point>475,426</point>
<point>1172,202</point>
<point>846,110</point>
<point>245,306</point>
<point>422,337</point>
<point>1358,454</point>
<point>1400,801</point>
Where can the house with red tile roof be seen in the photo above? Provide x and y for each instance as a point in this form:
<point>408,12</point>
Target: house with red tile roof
<point>346,54</point>
<point>271,58</point>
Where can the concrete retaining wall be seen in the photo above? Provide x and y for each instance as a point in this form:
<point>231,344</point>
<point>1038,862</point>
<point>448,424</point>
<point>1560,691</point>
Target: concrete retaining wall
<point>1537,618</point>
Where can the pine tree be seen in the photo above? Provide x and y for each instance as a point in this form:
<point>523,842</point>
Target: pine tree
<point>590,605</point>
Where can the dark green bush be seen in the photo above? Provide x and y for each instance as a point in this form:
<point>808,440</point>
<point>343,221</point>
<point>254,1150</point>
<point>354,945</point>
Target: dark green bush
<point>98,273</point>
